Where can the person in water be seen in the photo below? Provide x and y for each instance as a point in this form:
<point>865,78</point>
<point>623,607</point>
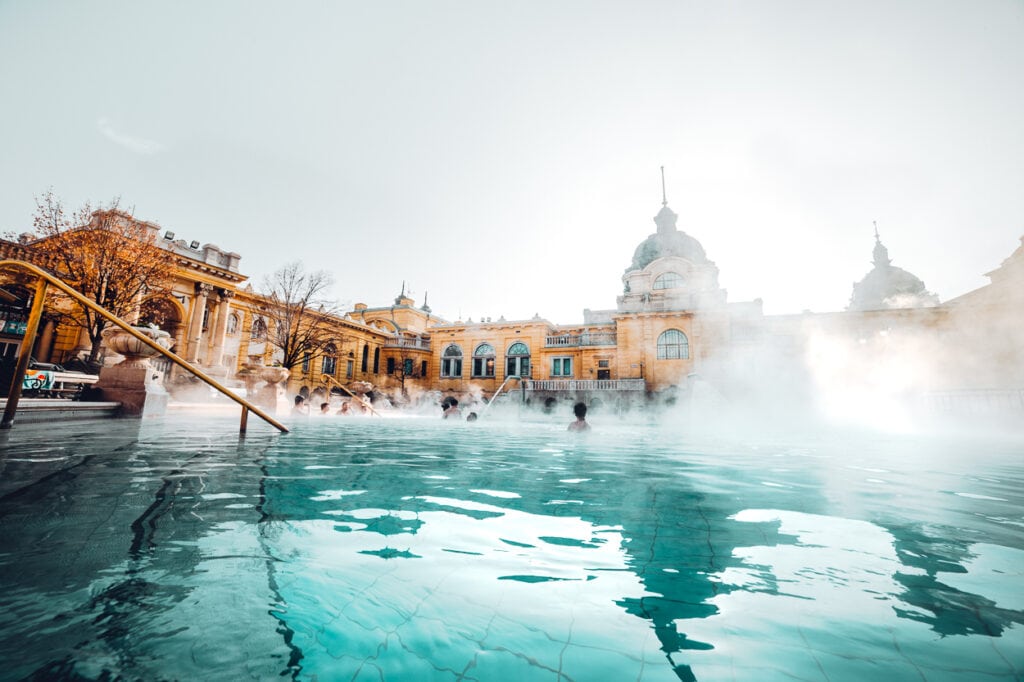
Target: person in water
<point>325,408</point>
<point>451,408</point>
<point>300,406</point>
<point>580,410</point>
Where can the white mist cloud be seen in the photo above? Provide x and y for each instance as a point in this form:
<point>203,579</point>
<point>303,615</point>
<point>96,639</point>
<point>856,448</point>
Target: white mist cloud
<point>139,145</point>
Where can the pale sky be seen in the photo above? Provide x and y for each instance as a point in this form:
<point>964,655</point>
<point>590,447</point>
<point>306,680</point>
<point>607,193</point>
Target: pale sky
<point>503,157</point>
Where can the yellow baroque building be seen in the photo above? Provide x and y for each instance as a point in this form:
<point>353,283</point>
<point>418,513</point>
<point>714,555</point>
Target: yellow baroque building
<point>672,332</point>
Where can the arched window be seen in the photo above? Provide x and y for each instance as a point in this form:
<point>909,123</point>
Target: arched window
<point>366,357</point>
<point>158,311</point>
<point>258,332</point>
<point>517,360</point>
<point>232,324</point>
<point>330,360</point>
<point>673,345</point>
<point>376,360</point>
<point>483,361</point>
<point>451,361</point>
<point>668,280</point>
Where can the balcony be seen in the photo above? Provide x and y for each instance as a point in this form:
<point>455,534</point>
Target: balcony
<point>584,384</point>
<point>577,340</point>
<point>410,343</point>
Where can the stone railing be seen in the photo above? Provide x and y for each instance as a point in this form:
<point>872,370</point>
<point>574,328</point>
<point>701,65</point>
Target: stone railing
<point>415,344</point>
<point>574,340</point>
<point>584,384</point>
<point>975,401</point>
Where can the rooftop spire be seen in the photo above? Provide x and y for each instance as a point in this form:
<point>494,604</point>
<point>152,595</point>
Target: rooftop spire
<point>664,199</point>
<point>880,253</point>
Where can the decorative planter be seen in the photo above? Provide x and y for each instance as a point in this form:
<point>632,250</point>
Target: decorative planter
<point>135,352</point>
<point>273,375</point>
<point>360,387</point>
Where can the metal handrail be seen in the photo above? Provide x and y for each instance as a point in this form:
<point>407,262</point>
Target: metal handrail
<point>328,379</point>
<point>509,378</point>
<point>33,324</point>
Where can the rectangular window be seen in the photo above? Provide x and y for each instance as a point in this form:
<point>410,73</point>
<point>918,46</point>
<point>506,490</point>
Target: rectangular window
<point>483,367</point>
<point>561,367</point>
<point>407,367</point>
<point>350,369</point>
<point>328,366</point>
<point>451,367</point>
<point>305,363</point>
<point>391,365</point>
<point>602,363</point>
<point>423,368</point>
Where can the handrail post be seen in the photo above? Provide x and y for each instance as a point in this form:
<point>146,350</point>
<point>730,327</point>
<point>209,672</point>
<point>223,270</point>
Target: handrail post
<point>34,316</point>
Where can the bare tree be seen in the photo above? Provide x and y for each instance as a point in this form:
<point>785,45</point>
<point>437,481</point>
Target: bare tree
<point>297,306</point>
<point>402,365</point>
<point>106,254</point>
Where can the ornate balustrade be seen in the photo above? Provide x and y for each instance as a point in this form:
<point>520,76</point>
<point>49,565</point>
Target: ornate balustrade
<point>575,340</point>
<point>415,344</point>
<point>584,384</point>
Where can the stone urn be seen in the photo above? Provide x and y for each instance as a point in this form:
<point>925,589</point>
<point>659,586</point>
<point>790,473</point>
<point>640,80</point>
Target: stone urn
<point>273,394</point>
<point>134,382</point>
<point>135,352</point>
<point>360,387</point>
<point>273,375</point>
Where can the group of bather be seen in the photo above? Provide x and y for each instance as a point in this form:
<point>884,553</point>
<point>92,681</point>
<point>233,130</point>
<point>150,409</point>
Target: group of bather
<point>358,405</point>
<point>352,407</point>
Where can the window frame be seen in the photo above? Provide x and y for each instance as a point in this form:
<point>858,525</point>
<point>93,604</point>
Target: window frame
<point>258,330</point>
<point>668,280</point>
<point>451,361</point>
<point>329,362</point>
<point>484,361</point>
<point>673,349</point>
<point>517,363</point>
<point>562,367</point>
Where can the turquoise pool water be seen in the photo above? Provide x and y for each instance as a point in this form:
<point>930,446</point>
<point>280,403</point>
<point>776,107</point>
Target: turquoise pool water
<point>413,549</point>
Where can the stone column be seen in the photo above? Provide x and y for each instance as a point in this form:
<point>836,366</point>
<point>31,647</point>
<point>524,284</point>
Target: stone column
<point>220,328</point>
<point>195,325</point>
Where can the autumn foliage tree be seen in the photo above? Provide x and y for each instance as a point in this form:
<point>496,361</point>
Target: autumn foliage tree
<point>298,311</point>
<point>105,253</point>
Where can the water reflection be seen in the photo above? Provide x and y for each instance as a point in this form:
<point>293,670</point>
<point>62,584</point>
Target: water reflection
<point>686,528</point>
<point>407,551</point>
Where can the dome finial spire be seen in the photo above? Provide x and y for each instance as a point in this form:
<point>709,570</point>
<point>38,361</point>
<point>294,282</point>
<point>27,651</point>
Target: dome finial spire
<point>664,200</point>
<point>881,254</point>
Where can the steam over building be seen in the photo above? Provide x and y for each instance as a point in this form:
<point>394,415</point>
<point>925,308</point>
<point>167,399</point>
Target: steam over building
<point>888,286</point>
<point>672,333</point>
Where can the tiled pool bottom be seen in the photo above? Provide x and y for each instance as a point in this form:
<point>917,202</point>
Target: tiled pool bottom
<point>358,549</point>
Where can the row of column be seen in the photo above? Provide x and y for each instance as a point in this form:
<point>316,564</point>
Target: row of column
<point>214,342</point>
